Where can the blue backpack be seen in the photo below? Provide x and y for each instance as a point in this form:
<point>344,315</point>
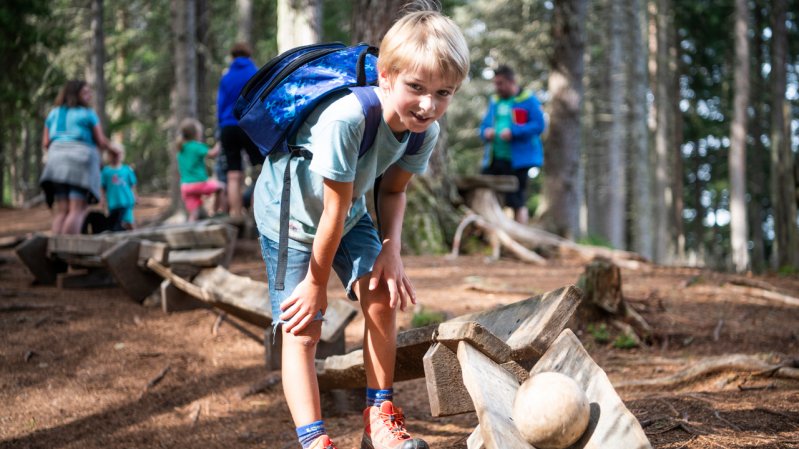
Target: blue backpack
<point>279,97</point>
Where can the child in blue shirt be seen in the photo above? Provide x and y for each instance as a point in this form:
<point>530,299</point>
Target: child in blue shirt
<point>119,186</point>
<point>423,60</point>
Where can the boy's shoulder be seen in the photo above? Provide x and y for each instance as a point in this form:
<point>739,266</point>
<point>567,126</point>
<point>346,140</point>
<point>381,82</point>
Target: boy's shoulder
<point>342,107</point>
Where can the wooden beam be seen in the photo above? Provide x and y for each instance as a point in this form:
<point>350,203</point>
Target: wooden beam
<point>611,423</point>
<point>203,257</point>
<point>88,278</point>
<point>122,261</point>
<point>492,390</point>
<point>33,254</point>
<point>174,299</point>
<point>453,332</point>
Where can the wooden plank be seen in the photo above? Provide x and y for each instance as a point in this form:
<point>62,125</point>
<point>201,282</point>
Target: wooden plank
<point>200,236</point>
<point>475,440</point>
<point>153,250</point>
<point>492,390</point>
<point>529,326</point>
<point>611,423</point>
<point>81,261</point>
<point>240,296</point>
<point>205,257</point>
<point>79,245</point>
<point>497,183</point>
<point>347,371</point>
<point>33,254</point>
<point>451,333</point>
<point>444,380</point>
<point>122,261</point>
<point>174,299</point>
<point>183,284</point>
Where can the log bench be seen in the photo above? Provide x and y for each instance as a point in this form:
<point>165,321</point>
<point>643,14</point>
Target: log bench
<point>247,300</point>
<point>120,258</point>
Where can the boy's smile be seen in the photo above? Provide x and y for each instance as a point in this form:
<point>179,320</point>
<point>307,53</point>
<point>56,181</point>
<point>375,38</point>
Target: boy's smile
<point>412,101</point>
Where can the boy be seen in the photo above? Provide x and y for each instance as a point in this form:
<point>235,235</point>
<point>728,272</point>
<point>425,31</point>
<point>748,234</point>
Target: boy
<point>119,186</point>
<point>423,60</point>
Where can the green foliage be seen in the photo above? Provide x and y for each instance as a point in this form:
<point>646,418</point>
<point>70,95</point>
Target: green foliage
<point>788,271</point>
<point>595,240</point>
<point>424,317</point>
<point>599,332</point>
<point>624,341</point>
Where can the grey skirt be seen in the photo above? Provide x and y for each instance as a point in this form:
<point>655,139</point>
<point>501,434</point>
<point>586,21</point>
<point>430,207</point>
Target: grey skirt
<point>74,163</point>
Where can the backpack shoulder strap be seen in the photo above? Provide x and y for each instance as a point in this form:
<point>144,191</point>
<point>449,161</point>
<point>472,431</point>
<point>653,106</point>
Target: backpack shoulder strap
<point>372,110</point>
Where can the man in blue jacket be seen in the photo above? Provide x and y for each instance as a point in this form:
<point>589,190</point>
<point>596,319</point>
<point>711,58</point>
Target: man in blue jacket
<point>233,139</point>
<point>511,130</point>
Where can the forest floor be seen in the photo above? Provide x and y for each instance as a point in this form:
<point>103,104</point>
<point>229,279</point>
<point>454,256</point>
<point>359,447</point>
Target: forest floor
<point>75,364</point>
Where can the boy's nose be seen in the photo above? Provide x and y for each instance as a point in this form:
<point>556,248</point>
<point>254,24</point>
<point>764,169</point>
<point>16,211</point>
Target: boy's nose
<point>427,103</point>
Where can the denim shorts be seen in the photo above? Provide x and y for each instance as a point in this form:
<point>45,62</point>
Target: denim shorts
<point>63,192</point>
<point>354,259</point>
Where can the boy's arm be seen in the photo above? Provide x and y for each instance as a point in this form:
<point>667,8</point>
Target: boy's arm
<point>388,266</point>
<point>310,296</point>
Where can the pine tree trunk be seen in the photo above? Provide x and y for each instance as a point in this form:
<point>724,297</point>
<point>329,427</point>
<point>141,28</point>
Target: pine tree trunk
<point>757,161</point>
<point>783,184</point>
<point>737,159</point>
<point>97,78</point>
<point>560,211</point>
<point>204,100</point>
<point>616,161</point>
<point>382,14</point>
<point>185,98</point>
<point>299,22</point>
<point>244,16</point>
<point>641,191</point>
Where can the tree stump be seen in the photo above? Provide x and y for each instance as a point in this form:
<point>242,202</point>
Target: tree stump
<point>601,284</point>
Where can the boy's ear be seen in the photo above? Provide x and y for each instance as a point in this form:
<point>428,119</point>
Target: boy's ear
<point>384,79</point>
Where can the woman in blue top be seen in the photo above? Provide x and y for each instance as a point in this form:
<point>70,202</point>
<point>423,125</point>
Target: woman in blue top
<point>71,176</point>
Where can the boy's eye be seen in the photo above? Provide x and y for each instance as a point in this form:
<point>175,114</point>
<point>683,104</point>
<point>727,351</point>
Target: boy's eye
<point>415,86</point>
<point>444,93</point>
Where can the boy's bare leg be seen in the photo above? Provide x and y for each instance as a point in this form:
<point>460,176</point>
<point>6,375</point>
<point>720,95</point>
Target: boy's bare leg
<point>299,374</point>
<point>380,335</point>
<point>234,180</point>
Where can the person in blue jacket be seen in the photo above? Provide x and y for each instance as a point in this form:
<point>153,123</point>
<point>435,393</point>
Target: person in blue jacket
<point>233,139</point>
<point>511,130</point>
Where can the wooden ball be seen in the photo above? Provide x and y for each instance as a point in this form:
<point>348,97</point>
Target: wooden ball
<point>551,411</point>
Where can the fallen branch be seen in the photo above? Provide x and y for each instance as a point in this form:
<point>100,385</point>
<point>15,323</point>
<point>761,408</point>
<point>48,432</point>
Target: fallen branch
<point>752,292</point>
<point>507,242</point>
<point>262,386</point>
<point>158,378</point>
<point>734,362</point>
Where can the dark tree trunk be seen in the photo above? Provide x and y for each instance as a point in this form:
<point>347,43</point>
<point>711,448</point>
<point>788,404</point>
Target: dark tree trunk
<point>97,79</point>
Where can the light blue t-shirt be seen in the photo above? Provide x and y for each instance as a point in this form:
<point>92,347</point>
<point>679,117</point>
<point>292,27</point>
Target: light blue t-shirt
<point>332,132</point>
<point>118,185</point>
<point>72,124</point>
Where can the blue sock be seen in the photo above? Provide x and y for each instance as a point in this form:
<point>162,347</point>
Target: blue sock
<point>375,397</point>
<point>310,432</point>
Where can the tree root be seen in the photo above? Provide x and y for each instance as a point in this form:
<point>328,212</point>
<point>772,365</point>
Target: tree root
<point>710,365</point>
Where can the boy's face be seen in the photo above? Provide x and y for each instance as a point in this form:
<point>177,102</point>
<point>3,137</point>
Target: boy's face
<point>414,100</point>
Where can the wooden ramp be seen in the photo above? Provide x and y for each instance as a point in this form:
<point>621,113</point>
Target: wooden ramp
<point>493,389</point>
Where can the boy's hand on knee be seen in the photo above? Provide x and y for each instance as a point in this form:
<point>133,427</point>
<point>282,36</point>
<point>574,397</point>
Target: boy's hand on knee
<point>301,307</point>
<point>389,267</point>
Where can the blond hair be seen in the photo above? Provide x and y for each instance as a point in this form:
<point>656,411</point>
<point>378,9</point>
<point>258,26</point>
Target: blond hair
<point>190,129</point>
<point>428,42</point>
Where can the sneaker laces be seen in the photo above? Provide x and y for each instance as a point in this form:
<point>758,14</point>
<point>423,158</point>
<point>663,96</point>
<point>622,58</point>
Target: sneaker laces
<point>396,424</point>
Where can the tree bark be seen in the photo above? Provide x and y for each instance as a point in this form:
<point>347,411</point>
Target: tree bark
<point>641,191</point>
<point>757,160</point>
<point>562,195</point>
<point>97,78</point>
<point>185,98</point>
<point>737,160</point>
<point>782,181</point>
<point>299,22</point>
<point>382,13</point>
<point>244,15</point>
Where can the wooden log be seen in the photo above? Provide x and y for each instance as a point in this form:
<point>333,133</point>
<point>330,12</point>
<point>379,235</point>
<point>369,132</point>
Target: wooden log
<point>33,254</point>
<point>179,282</point>
<point>202,236</point>
<point>122,261</point>
<point>611,423</point>
<point>492,390</point>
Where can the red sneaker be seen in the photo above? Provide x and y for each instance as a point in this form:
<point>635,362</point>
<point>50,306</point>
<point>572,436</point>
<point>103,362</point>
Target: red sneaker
<point>384,428</point>
<point>322,442</point>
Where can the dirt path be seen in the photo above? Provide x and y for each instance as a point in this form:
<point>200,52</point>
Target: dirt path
<point>75,364</point>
